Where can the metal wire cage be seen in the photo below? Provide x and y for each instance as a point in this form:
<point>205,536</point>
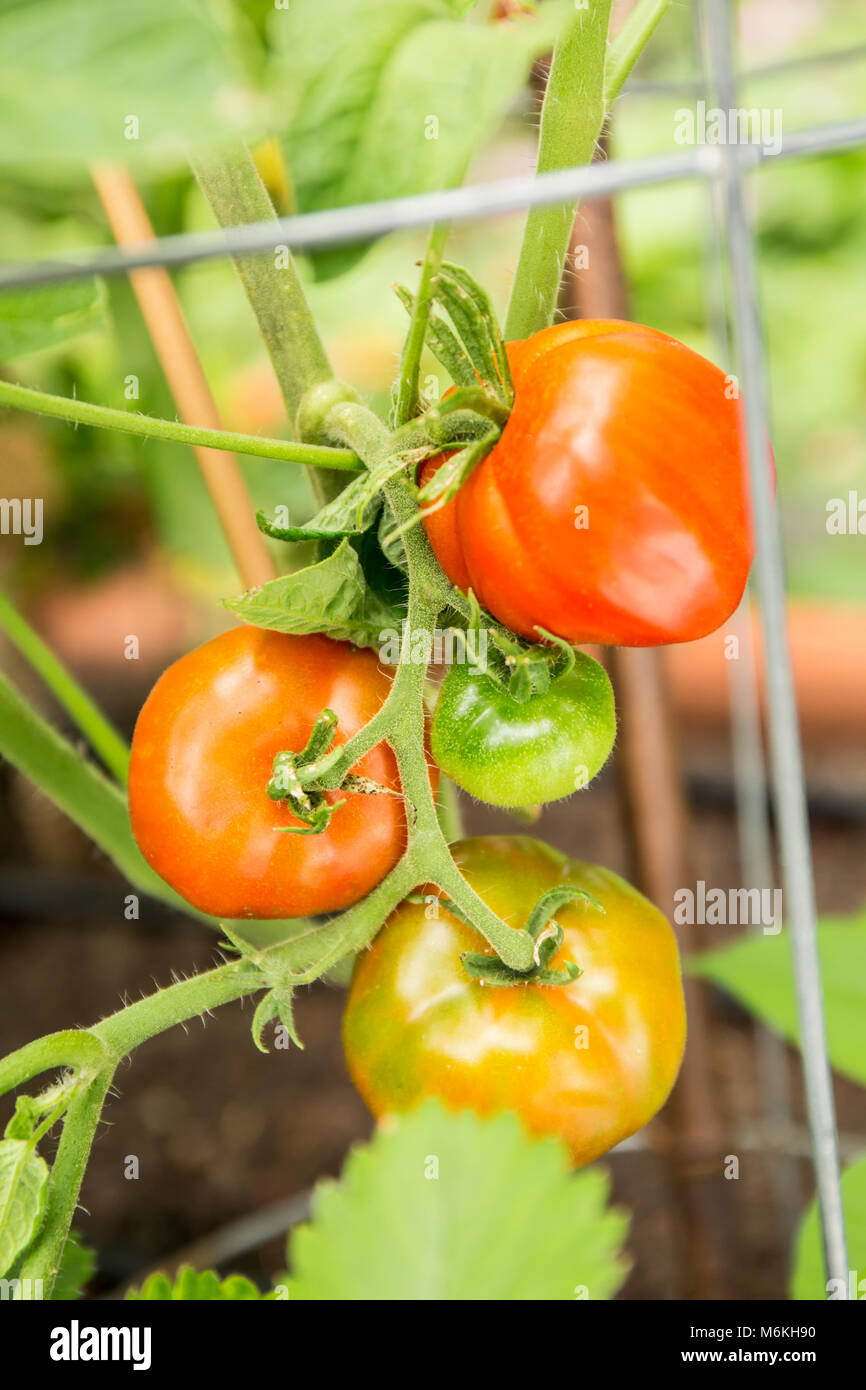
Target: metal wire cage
<point>724,169</point>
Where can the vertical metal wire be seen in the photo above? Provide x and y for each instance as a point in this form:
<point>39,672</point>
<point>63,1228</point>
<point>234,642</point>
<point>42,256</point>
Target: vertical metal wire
<point>749,768</point>
<point>788,780</point>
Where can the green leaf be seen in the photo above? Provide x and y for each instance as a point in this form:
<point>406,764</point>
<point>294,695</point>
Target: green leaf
<point>350,513</point>
<point>331,597</point>
<point>23,1176</point>
<point>758,971</point>
<point>448,1206</point>
<point>76,1270</point>
<point>393,97</point>
<point>76,74</point>
<point>96,804</point>
<point>808,1279</point>
<point>203,1286</point>
<point>43,317</point>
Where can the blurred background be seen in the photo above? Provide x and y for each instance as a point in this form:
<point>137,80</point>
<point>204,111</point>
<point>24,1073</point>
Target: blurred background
<point>132,546</point>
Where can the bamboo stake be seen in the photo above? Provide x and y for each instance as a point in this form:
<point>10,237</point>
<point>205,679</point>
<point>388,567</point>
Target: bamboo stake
<point>161,311</point>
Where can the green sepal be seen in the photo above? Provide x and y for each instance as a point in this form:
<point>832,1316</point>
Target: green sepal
<point>542,912</point>
<point>490,970</point>
<point>471,312</point>
<point>277,1003</point>
<point>548,937</point>
<point>442,342</point>
<point>450,477</point>
<point>309,805</point>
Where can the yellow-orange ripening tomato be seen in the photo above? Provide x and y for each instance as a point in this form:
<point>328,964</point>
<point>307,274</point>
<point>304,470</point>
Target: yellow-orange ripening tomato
<point>591,1061</point>
<point>202,757</point>
<point>613,509</point>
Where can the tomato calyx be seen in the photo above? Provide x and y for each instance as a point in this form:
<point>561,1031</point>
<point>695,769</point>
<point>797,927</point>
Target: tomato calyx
<point>470,418</point>
<point>294,777</point>
<point>527,670</point>
<point>546,933</point>
<point>309,805</point>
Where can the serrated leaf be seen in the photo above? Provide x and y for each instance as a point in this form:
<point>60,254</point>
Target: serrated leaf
<point>331,597</point>
<point>447,1206</point>
<point>808,1279</point>
<point>758,971</point>
<point>23,1177</point>
<point>201,1286</point>
<point>50,314</point>
<point>73,73</point>
<point>366,77</point>
<point>76,1270</point>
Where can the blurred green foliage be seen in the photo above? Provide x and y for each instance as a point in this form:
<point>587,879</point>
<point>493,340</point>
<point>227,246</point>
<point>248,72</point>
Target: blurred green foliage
<point>116,494</point>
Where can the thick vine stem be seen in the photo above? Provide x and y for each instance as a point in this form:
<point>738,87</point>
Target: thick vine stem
<point>571,122</point>
<point>406,395</point>
<point>401,719</point>
<point>79,1127</point>
<point>230,181</point>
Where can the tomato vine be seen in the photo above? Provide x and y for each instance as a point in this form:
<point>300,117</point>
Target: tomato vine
<point>337,436</point>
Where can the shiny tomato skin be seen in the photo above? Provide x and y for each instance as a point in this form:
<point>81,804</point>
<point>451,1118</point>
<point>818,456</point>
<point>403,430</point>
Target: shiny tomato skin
<point>202,755</point>
<point>644,434</point>
<point>527,754</point>
<point>590,1062</point>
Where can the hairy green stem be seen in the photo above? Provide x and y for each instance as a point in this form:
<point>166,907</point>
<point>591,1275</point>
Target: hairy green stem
<point>571,121</point>
<point>107,418</point>
<point>629,43</point>
<point>450,816</point>
<point>71,1048</point>
<point>407,395</point>
<point>79,1127</point>
<point>230,181</point>
<point>100,733</point>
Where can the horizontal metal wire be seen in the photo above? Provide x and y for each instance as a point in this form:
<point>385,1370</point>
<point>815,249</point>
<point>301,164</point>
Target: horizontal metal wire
<point>695,86</point>
<point>365,221</point>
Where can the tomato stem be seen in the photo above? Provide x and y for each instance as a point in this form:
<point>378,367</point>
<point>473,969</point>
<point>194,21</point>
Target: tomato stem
<point>571,120</point>
<point>231,183</point>
<point>585,77</point>
<point>406,392</point>
<point>106,417</point>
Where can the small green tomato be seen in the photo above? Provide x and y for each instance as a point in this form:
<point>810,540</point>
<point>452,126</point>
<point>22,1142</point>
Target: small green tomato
<point>511,754</point>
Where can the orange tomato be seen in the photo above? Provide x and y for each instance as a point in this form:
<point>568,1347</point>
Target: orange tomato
<point>202,756</point>
<point>613,508</point>
<point>591,1061</point>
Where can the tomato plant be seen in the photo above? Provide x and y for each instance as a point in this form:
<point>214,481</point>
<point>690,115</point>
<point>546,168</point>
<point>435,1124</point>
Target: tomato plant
<point>202,758</point>
<point>591,1060</point>
<point>525,753</point>
<point>613,507</point>
<point>279,771</point>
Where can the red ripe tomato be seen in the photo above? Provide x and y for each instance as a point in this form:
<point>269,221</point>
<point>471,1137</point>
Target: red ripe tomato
<point>613,509</point>
<point>202,756</point>
<point>591,1061</point>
